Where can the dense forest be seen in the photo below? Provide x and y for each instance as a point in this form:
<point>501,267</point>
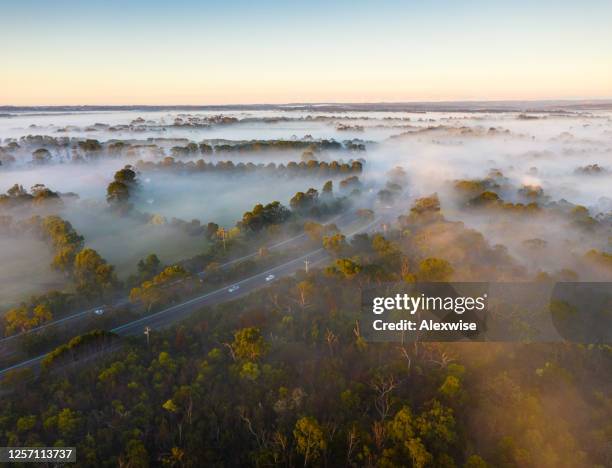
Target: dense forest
<point>284,377</point>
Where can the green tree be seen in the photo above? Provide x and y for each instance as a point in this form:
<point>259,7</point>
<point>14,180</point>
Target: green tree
<point>120,189</point>
<point>65,241</point>
<point>24,318</point>
<point>94,277</point>
<point>303,201</point>
<point>418,453</point>
<point>68,422</point>
<point>346,267</point>
<point>41,156</point>
<point>335,244</point>
<point>169,405</point>
<point>436,426</point>
<point>250,371</point>
<point>400,427</point>
<point>156,290</point>
<point>435,269</point>
<point>328,187</point>
<point>451,388</point>
<point>117,193</point>
<point>249,344</point>
<point>135,455</point>
<point>475,461</point>
<point>127,176</point>
<point>41,194</point>
<point>262,216</point>
<point>26,423</point>
<point>309,439</point>
<point>148,267</point>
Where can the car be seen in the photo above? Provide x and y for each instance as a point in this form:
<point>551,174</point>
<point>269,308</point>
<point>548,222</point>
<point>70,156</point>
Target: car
<point>100,310</point>
<point>233,288</point>
<point>270,277</point>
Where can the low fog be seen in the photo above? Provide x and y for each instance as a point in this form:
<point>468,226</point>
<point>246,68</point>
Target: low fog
<point>568,155</point>
<point>549,152</point>
<point>25,270</point>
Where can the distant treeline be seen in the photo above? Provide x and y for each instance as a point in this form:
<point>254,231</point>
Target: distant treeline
<point>77,149</point>
<point>312,167</point>
<point>256,146</point>
<point>284,145</point>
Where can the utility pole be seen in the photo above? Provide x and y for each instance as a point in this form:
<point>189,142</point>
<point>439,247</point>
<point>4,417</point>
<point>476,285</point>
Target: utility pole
<point>147,332</point>
<point>221,232</point>
<point>306,262</point>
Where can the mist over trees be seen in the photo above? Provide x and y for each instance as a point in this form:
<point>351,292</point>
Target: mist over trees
<point>142,214</point>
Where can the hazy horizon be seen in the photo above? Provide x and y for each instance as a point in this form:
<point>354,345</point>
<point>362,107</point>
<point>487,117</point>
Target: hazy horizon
<point>536,105</point>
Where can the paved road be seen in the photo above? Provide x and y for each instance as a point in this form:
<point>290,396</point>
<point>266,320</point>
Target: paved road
<point>124,301</point>
<point>180,311</point>
<point>176,313</point>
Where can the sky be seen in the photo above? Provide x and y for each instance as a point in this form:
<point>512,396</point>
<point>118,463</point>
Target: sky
<point>232,51</point>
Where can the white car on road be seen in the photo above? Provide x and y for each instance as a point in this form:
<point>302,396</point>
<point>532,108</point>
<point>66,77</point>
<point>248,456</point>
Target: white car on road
<point>100,310</point>
<point>233,288</point>
<point>270,277</point>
